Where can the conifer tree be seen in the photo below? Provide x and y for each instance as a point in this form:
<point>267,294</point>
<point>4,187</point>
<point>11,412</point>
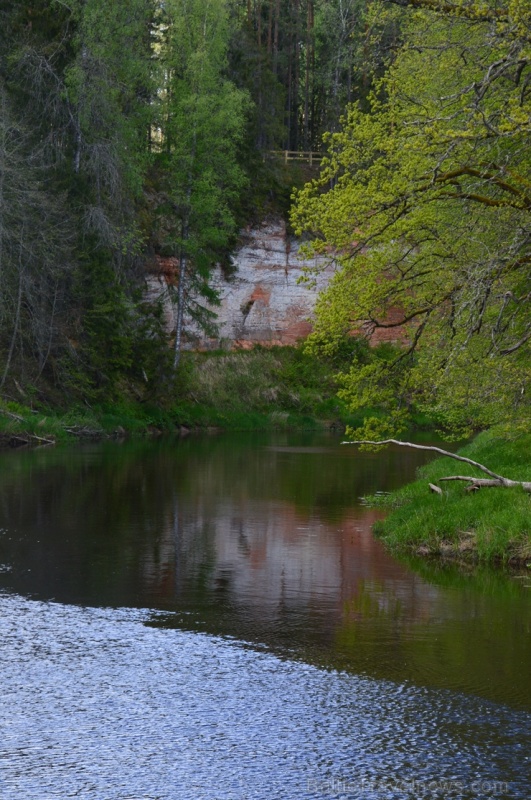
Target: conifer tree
<point>202,123</point>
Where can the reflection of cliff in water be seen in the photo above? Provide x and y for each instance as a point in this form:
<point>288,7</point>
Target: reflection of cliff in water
<point>330,592</point>
<point>82,524</point>
<point>261,538</point>
<point>269,556</point>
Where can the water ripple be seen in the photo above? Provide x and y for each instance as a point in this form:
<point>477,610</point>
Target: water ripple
<point>97,705</point>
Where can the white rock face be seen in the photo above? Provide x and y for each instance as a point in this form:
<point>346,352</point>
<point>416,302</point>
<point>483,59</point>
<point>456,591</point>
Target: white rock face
<point>263,303</point>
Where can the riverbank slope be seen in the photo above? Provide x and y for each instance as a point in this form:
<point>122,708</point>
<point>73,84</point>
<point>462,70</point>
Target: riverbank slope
<point>489,525</point>
<point>263,388</point>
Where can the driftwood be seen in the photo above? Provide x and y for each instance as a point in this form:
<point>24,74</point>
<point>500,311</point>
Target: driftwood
<point>41,438</point>
<point>475,483</point>
<point>23,438</point>
<point>83,431</point>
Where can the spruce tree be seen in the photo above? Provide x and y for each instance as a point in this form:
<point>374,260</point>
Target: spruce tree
<point>202,117</point>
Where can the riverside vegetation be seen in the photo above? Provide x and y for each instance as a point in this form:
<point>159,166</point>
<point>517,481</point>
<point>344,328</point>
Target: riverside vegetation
<point>287,387</point>
<point>263,388</point>
<point>136,130</point>
<point>489,524</point>
<point>423,200</point>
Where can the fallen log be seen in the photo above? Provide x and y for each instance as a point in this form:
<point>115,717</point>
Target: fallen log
<point>41,439</point>
<point>476,483</point>
<point>21,439</point>
<point>90,433</point>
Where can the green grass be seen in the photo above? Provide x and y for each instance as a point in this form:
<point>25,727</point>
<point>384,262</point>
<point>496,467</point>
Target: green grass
<point>491,524</point>
<point>20,423</point>
<point>264,388</point>
<point>261,389</point>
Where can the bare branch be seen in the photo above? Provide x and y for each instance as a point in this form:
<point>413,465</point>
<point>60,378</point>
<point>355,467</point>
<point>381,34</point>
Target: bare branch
<point>477,483</point>
<point>434,450</point>
<point>516,346</point>
<point>499,480</point>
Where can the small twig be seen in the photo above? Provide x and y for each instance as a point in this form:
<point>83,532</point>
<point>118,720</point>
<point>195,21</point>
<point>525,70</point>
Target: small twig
<point>11,415</point>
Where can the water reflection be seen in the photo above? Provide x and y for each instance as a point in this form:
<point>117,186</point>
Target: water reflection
<point>261,538</point>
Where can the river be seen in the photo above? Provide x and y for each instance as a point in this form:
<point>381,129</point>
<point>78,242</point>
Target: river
<point>212,618</point>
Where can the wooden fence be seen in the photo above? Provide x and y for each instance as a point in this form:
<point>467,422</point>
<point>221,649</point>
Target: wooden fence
<point>302,156</point>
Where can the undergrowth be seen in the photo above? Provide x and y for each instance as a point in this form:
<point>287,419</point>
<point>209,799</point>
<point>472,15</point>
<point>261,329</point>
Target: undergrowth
<point>263,388</point>
<point>262,380</point>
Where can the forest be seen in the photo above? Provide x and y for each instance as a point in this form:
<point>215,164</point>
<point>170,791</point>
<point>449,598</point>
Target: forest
<point>426,206</point>
<point>138,129</point>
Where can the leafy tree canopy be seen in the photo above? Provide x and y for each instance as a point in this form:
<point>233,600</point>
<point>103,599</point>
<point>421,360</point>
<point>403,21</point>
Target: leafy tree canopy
<point>424,203</point>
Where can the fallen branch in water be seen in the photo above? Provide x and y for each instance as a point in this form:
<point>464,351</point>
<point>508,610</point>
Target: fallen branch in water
<point>476,483</point>
<point>83,431</point>
<point>23,438</point>
<point>41,438</point>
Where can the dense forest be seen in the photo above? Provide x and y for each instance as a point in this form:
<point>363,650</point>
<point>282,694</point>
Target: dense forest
<point>131,130</point>
<point>138,128</point>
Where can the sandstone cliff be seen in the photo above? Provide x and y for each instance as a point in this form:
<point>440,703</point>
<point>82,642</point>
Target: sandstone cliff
<point>264,302</point>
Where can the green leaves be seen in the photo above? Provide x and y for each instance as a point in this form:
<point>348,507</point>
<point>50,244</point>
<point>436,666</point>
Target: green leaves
<point>428,214</point>
<point>202,116</point>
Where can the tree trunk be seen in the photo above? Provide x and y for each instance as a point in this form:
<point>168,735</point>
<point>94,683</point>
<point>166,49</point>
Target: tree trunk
<point>275,37</point>
<point>16,322</point>
<point>180,309</point>
<point>308,66</point>
<point>183,264</point>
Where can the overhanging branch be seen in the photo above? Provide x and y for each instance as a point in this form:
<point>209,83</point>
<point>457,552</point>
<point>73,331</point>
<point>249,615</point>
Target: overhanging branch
<point>433,449</point>
<point>476,483</point>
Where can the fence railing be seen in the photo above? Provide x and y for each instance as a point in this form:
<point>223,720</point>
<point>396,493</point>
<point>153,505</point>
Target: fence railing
<point>304,156</point>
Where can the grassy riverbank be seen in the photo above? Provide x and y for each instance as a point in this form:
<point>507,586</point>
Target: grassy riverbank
<point>261,389</point>
<point>492,524</point>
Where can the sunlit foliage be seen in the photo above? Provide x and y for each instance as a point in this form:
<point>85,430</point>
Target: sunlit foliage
<point>425,204</point>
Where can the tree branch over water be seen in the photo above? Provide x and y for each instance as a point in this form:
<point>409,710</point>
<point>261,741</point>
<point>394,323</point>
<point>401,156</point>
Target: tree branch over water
<point>476,483</point>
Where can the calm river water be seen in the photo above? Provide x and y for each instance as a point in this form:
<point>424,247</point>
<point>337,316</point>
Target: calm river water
<point>211,619</point>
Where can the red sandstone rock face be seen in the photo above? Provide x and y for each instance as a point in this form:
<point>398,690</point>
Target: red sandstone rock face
<point>267,302</point>
<point>261,295</point>
<point>166,266</point>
